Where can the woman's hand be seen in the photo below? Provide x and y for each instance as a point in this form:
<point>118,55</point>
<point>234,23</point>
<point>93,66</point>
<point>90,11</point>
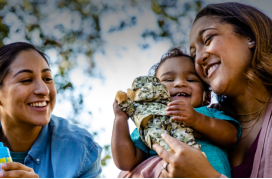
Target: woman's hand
<point>186,162</point>
<point>118,112</point>
<point>17,170</point>
<point>182,111</point>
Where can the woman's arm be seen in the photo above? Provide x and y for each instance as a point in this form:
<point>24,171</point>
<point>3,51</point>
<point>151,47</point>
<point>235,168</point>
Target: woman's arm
<point>125,155</point>
<point>220,132</point>
<point>186,162</point>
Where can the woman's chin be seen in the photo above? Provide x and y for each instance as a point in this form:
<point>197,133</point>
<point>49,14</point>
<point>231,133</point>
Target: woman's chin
<point>218,88</point>
<point>38,120</point>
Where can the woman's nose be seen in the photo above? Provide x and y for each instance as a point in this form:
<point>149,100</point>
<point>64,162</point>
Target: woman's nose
<point>41,88</point>
<point>201,58</point>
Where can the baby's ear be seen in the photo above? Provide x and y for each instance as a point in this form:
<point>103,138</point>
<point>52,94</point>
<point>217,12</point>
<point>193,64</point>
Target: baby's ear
<point>131,94</point>
<point>206,98</point>
<point>121,96</point>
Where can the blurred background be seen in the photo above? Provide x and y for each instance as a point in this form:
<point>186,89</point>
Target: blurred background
<point>97,47</point>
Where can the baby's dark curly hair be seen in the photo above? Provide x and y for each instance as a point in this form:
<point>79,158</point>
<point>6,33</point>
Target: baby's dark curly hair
<point>177,52</point>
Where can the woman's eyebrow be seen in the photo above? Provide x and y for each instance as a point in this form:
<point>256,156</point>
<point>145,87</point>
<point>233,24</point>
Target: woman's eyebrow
<point>30,71</point>
<point>46,69</point>
<point>203,30</point>
<point>23,71</point>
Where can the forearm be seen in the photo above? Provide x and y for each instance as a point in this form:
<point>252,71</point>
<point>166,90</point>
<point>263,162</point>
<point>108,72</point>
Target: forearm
<point>221,132</point>
<point>125,155</point>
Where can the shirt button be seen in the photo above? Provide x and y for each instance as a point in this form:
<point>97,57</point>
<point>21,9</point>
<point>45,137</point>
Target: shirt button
<point>37,159</point>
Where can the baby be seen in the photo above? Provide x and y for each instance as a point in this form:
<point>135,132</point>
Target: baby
<point>146,105</point>
<point>187,92</point>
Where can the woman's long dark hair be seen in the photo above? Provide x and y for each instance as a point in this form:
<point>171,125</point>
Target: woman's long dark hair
<point>9,52</point>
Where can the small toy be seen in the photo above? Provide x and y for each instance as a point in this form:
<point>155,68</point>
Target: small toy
<point>4,155</point>
<point>145,104</point>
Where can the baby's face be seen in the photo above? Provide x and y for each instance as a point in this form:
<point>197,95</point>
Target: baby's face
<point>179,76</point>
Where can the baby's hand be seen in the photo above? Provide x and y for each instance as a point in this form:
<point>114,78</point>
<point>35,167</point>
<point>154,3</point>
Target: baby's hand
<point>182,111</point>
<point>118,112</point>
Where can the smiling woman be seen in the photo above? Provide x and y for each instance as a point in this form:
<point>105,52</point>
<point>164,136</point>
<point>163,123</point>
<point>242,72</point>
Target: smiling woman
<point>232,47</point>
<point>223,46</point>
<point>40,144</point>
<point>25,89</point>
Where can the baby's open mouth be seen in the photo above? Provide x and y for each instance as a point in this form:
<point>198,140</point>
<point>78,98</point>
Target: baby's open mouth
<point>180,95</point>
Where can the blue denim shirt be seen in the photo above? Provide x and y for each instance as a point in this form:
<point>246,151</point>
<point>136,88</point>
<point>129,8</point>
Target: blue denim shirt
<point>64,150</point>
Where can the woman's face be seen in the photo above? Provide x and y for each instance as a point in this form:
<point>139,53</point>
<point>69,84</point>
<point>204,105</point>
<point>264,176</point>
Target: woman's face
<point>221,55</point>
<point>28,92</point>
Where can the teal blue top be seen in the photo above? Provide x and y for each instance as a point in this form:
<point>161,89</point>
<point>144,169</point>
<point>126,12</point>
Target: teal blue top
<point>18,156</point>
<point>217,156</point>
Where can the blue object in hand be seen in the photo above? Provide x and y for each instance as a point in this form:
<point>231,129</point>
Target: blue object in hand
<point>4,155</point>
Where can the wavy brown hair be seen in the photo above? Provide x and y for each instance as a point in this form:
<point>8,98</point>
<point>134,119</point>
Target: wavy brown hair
<point>250,22</point>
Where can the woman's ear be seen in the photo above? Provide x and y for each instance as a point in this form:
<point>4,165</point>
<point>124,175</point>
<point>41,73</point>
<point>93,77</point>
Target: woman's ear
<point>251,43</point>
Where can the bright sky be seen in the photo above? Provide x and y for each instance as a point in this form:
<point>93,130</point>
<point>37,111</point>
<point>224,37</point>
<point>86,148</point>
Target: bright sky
<point>122,62</point>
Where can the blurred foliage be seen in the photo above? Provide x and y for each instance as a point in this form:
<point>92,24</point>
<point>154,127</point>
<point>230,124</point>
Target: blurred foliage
<point>73,28</point>
<point>107,156</point>
<point>174,18</point>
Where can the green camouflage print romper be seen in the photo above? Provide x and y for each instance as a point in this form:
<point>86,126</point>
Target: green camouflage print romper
<point>150,101</point>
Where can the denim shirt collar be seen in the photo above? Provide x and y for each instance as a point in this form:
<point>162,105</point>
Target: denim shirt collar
<point>39,147</point>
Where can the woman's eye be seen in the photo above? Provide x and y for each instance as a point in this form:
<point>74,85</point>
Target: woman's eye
<point>26,81</point>
<point>208,39</point>
<point>48,79</point>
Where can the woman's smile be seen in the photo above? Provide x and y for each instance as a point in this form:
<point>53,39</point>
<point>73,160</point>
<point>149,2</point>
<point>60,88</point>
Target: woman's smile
<point>28,90</point>
<point>223,55</point>
<point>210,69</point>
<point>39,105</point>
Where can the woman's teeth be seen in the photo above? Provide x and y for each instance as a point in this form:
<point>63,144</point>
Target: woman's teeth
<point>38,104</point>
<point>212,68</point>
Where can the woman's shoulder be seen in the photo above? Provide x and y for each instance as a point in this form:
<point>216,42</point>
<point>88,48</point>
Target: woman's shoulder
<point>65,131</point>
<point>67,149</point>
